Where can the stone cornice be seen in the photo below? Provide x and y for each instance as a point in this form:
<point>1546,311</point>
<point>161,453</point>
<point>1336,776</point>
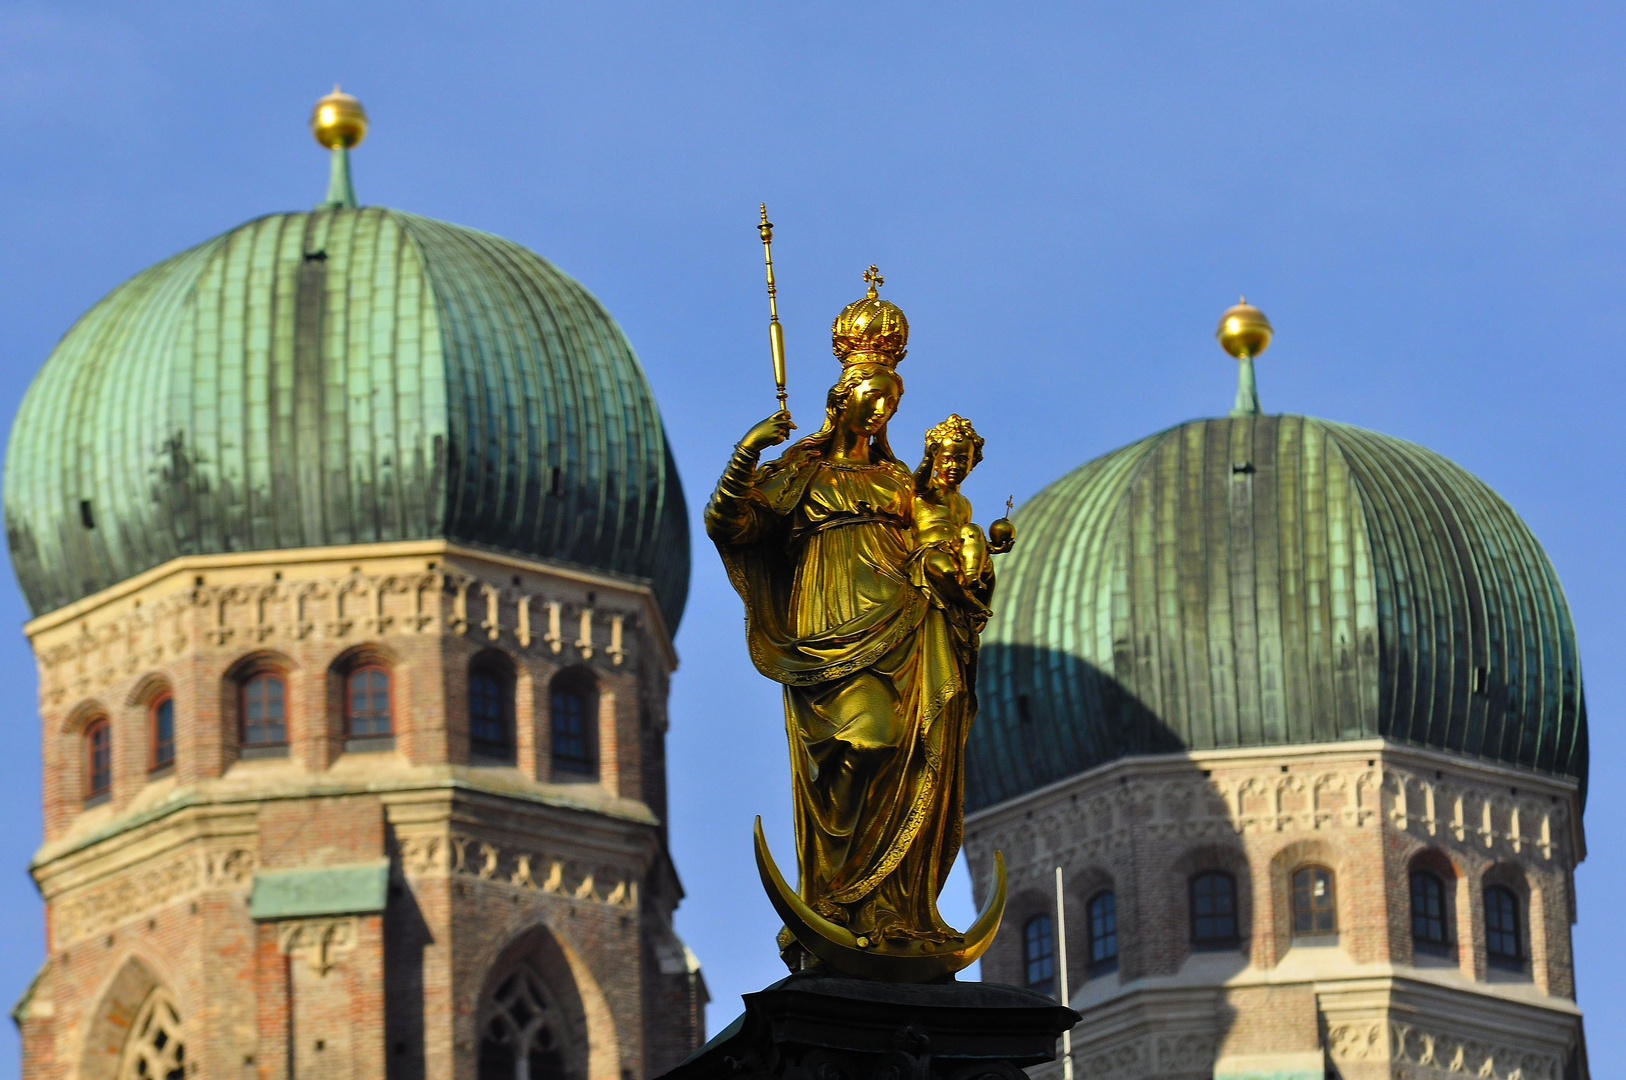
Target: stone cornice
<point>452,780</point>
<point>1345,986</point>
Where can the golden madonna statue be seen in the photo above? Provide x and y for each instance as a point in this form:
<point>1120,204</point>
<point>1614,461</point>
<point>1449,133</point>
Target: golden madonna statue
<point>866,585</point>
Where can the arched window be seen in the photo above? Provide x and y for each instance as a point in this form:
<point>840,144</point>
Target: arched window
<point>1429,926</point>
<point>163,733</point>
<point>154,1049</point>
<point>571,708</point>
<point>1213,910</point>
<point>1039,955</point>
<point>1502,937</point>
<point>367,703</point>
<point>98,761</point>
<point>1314,909</point>
<point>265,716</point>
<point>1103,915</point>
<point>520,1041</point>
<point>491,714</point>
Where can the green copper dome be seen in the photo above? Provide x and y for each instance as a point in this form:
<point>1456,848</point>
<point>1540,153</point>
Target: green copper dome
<point>1267,581</point>
<point>343,376</point>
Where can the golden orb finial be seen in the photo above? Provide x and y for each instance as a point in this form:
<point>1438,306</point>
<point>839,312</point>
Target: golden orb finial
<point>1244,332</point>
<point>339,120</point>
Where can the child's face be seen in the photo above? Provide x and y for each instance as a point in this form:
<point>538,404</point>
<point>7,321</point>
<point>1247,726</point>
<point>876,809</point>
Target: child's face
<point>954,460</point>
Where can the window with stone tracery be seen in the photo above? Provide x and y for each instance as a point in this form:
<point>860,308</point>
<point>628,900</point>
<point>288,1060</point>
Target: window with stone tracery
<point>520,1039</point>
<point>154,1049</point>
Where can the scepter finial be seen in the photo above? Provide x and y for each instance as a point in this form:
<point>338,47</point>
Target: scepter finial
<point>776,333</point>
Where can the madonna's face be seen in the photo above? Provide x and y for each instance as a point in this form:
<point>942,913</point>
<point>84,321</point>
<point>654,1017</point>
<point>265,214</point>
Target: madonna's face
<point>871,404</point>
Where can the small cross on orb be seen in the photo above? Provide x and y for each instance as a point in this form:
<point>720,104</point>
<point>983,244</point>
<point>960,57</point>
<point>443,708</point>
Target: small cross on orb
<point>873,278</point>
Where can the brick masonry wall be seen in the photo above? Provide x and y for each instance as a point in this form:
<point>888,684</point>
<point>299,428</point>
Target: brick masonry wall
<point>149,891</point>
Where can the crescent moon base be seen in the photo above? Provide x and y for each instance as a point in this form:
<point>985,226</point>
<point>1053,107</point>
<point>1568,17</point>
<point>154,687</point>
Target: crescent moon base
<point>844,952</point>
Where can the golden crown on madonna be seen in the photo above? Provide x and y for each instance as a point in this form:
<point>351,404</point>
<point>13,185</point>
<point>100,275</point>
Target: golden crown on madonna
<point>870,330</point>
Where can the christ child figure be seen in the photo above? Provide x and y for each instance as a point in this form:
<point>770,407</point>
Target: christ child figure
<point>953,550</point>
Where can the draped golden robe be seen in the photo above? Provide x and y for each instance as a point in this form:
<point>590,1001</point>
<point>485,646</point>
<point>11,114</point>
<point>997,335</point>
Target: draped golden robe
<point>877,678</point>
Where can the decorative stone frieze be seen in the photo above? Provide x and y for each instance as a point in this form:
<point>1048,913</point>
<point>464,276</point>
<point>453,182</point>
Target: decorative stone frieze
<point>1182,802</point>
<point>1429,1053</point>
<point>458,854</point>
<point>96,909</point>
<point>281,606</point>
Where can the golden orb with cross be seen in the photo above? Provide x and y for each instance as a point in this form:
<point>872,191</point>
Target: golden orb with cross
<point>870,330</point>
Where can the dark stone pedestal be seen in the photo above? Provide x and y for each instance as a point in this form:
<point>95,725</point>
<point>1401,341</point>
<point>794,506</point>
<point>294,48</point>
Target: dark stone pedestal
<point>827,1027</point>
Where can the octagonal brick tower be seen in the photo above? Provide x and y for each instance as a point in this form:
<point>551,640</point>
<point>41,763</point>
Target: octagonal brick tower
<point>1297,709</point>
<point>355,549</point>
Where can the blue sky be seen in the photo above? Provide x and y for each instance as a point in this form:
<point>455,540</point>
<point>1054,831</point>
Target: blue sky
<point>1426,199</point>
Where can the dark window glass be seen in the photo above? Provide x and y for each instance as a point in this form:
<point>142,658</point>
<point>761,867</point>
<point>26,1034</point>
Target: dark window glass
<point>163,733</point>
<point>1103,912</point>
<point>265,720</point>
<point>488,714</point>
<point>572,735</point>
<point>1039,954</point>
<point>1427,908</point>
<point>1502,927</point>
<point>367,702</point>
<point>98,759</point>
<point>1314,910</point>
<point>1213,909</point>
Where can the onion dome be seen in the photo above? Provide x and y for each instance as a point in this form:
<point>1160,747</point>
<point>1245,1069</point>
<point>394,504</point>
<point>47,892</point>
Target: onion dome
<point>342,376</point>
<point>1262,581</point>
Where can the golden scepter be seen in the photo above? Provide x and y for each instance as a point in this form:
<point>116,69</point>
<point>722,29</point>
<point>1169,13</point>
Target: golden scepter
<point>776,334</point>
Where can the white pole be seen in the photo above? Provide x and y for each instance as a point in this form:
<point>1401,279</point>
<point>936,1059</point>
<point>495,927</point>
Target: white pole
<point>1061,963</point>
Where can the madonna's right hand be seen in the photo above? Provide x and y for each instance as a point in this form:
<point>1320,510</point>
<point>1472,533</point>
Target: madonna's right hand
<point>772,431</point>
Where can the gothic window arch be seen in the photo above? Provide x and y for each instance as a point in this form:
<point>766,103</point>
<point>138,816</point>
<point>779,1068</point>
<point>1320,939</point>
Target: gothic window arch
<point>156,1046</point>
<point>522,1037</point>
